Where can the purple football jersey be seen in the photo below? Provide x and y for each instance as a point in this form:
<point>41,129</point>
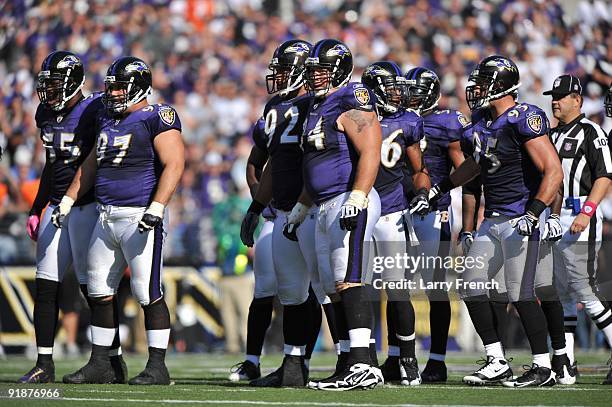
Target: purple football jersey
<point>399,131</point>
<point>509,177</point>
<point>442,127</point>
<point>68,138</point>
<point>329,156</point>
<point>283,123</point>
<point>128,166</point>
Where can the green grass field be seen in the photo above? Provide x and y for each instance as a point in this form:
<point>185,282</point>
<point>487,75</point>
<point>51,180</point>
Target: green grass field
<point>202,380</point>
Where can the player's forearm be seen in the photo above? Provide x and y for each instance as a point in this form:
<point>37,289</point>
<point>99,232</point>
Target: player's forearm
<point>263,195</point>
<point>305,198</point>
<point>599,190</point>
<point>84,178</point>
<point>468,212</point>
<point>421,181</point>
<point>555,206</point>
<point>168,181</point>
<point>551,182</point>
<point>367,169</point>
<point>44,190</point>
<point>255,165</point>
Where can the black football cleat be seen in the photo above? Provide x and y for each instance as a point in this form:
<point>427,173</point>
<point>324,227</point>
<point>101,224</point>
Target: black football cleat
<point>39,374</point>
<point>564,370</point>
<point>96,371</point>
<point>153,373</point>
<point>434,372</point>
<point>119,369</point>
<point>246,370</point>
<point>292,373</point>
<point>534,376</point>
<point>608,380</point>
<point>391,369</point>
<point>409,371</point>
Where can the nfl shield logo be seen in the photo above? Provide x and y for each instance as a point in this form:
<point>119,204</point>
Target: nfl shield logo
<point>167,114</point>
<point>362,95</point>
<point>567,146</point>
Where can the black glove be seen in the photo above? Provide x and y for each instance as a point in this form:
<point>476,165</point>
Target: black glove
<point>290,231</point>
<point>57,218</point>
<point>250,222</point>
<point>152,217</point>
<point>420,203</point>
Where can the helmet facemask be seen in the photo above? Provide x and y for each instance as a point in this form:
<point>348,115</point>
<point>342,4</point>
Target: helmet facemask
<point>320,77</point>
<point>390,93</point>
<point>482,89</point>
<point>118,103</point>
<point>285,78</point>
<point>56,89</point>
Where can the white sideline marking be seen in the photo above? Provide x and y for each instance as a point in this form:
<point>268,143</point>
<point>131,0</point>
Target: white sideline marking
<point>145,392</point>
<point>267,403</point>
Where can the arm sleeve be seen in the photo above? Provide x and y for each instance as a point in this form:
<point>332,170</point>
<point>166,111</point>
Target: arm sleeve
<point>259,136</point>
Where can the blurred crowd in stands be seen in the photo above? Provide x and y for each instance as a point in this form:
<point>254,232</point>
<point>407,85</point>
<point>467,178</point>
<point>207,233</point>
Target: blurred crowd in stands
<point>209,59</point>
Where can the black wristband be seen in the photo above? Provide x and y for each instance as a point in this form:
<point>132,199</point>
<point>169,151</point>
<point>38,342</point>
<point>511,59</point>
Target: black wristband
<point>536,207</point>
<point>256,207</point>
<point>422,191</point>
<point>445,186</point>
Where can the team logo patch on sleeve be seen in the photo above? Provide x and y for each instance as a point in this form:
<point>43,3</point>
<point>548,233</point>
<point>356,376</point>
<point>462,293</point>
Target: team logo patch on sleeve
<point>534,122</point>
<point>167,115</point>
<point>463,120</point>
<point>362,96</point>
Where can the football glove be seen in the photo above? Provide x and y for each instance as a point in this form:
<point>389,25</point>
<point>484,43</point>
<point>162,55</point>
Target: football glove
<point>356,202</point>
<point>61,211</point>
<point>552,228</point>
<point>152,217</point>
<point>466,239</point>
<point>420,203</point>
<point>250,222</point>
<point>435,193</point>
<point>32,225</point>
<point>526,224</point>
<point>294,219</point>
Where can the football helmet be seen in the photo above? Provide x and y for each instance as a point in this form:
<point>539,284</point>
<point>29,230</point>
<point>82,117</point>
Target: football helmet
<point>60,78</point>
<point>133,77</point>
<point>494,77</point>
<point>608,102</point>
<point>423,90</point>
<point>386,80</point>
<point>287,66</point>
<point>329,65</point>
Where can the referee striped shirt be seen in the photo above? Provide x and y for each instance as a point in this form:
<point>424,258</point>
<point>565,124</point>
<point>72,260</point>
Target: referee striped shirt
<point>584,153</point>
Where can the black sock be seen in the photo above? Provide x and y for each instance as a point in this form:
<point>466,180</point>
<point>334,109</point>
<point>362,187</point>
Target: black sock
<point>330,316</point>
<point>296,324</point>
<point>358,314</point>
<point>405,328</point>
<point>534,323</point>
<point>439,323</point>
<point>553,311</point>
<point>499,307</point>
<point>316,317</point>
<point>46,312</point>
<point>482,317</point>
<point>391,324</point>
<point>373,350</point>
<point>260,316</point>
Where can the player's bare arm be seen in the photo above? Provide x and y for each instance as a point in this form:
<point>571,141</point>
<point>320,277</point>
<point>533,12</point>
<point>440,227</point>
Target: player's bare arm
<point>420,177</point>
<point>171,152</point>
<point>255,165</point>
<point>546,160</point>
<point>455,153</point>
<point>363,129</point>
<point>84,178</point>
<point>263,195</point>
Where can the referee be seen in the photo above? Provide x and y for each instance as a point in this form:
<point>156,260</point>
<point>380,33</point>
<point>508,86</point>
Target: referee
<point>587,169</point>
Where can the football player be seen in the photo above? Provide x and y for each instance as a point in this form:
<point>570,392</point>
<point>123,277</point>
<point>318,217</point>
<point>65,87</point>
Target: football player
<point>281,182</point>
<point>521,174</point>
<point>441,151</point>
<point>66,120</point>
<point>402,131</point>
<point>136,167</point>
<point>342,143</point>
